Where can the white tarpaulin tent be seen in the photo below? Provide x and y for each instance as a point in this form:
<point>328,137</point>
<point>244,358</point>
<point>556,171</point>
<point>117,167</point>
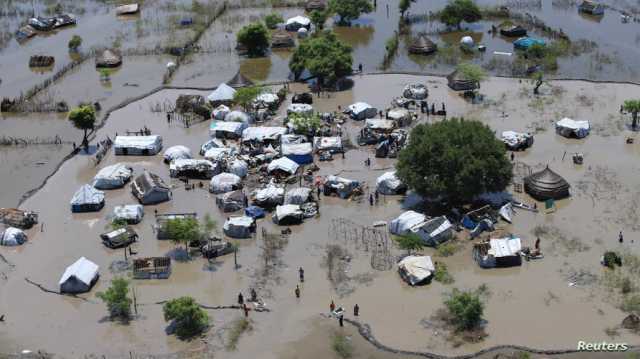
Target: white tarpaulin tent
<point>220,112</point>
<point>177,152</point>
<point>239,227</point>
<point>362,110</point>
<point>225,182</point>
<point>238,167</point>
<point>132,213</point>
<point>79,277</point>
<point>12,237</point>
<point>114,176</point>
<point>223,129</point>
<point>237,116</point>
<point>571,128</point>
<point>300,153</point>
<point>406,222</point>
<point>389,184</point>
<point>344,187</point>
<point>223,93</point>
<point>212,143</point>
<point>332,144</point>
<point>87,199</point>
<point>516,140</point>
<point>269,196</point>
<point>261,134</point>
<point>300,109</point>
<point>137,145</point>
<point>193,168</point>
<point>416,269</point>
<point>219,153</point>
<point>283,164</point>
<point>288,214</point>
<point>297,22</point>
<point>297,196</point>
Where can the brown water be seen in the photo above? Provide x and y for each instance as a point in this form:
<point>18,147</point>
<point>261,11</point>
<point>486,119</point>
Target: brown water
<point>603,202</point>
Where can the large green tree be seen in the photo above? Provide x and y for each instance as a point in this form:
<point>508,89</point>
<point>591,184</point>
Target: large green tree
<point>117,299</point>
<point>183,231</point>
<point>472,72</point>
<point>255,38</point>
<point>245,96</point>
<point>349,10</point>
<point>189,318</point>
<point>632,106</point>
<point>458,11</point>
<point>83,118</point>
<point>454,160</point>
<point>324,56</point>
<point>466,308</point>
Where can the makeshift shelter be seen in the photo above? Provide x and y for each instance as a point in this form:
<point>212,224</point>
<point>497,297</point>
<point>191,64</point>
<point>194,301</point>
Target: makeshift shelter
<point>297,22</point>
<point>239,227</point>
<point>239,80</point>
<point>269,196</point>
<point>361,111</point>
<point>152,268</point>
<point>224,129</point>
<point>87,199</point>
<point>300,153</point>
<point>188,103</point>
<point>312,5</point>
<point>415,92</point>
<point>513,31</point>
<point>223,94</point>
<point>41,23</point>
<point>220,112</point>
<point>416,270</point>
<point>25,32</point>
<point>288,214</point>
<point>405,222</point>
<point>390,184</point>
<point>79,277</point>
<point>137,145</point>
<point>114,176</point>
<point>467,43</point>
<point>330,144</point>
<point>504,252</point>
<point>434,231</point>
<point>300,109</point>
<point>379,125</point>
<point>457,82</point>
<point>162,219</point>
<point>237,116</point>
<point>192,168</point>
<point>343,187</point>
<point>149,188</point>
<point>225,182</point>
<point>231,201</point>
<point>571,128</point>
<point>401,116</point>
<point>267,100</point>
<point>298,196</point>
<point>119,238</point>
<point>41,61</point>
<point>109,58</point>
<point>12,236</point>
<point>178,152</point>
<point>254,212</point>
<point>281,39</point>
<point>282,166</point>
<point>524,43</point>
<point>19,218</point>
<point>132,213</point>
<point>545,185</point>
<point>292,138</point>
<point>127,9</point>
<point>263,134</point>
<point>213,143</point>
<point>422,45</point>
<point>517,141</point>
<point>238,167</point>
<point>591,8</point>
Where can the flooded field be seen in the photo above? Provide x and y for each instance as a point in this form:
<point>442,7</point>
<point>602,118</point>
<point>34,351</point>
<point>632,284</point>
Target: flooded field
<point>603,202</point>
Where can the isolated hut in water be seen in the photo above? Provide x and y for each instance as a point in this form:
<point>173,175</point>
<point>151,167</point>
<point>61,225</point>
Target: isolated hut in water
<point>109,58</point>
<point>41,61</point>
<point>282,39</point>
<point>510,30</point>
<point>546,184</point>
<point>149,188</point>
<point>239,80</point>
<point>591,8</point>
<point>422,46</point>
<point>457,82</point>
<point>311,5</point>
<point>79,277</point>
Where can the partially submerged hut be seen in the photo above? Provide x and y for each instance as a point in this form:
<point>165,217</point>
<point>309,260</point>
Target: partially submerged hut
<point>389,184</point>
<point>119,238</point>
<point>511,30</point>
<point>127,9</point>
<point>573,129</point>
<point>109,58</point>
<point>591,7</point>
<point>416,270</point>
<point>111,177</point>
<point>152,268</point>
<point>225,182</point>
<point>239,227</point>
<point>192,168</point>
<point>282,39</point>
<point>131,213</point>
<point>177,152</point>
<point>12,236</point>
<point>222,95</point>
<point>312,5</point>
<point>239,80</point>
<point>19,218</point>
<point>503,252</point>
<point>87,199</point>
<point>149,188</point>
<point>288,214</point>
<point>422,45</point>
<point>297,22</point>
<point>41,61</point>
<point>457,82</point>
<point>137,145</point>
<point>545,185</point>
<point>79,277</point>
<point>231,201</point>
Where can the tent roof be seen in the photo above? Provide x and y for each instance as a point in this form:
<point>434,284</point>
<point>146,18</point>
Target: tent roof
<point>223,92</point>
<point>546,184</point>
<point>422,44</point>
<point>178,151</point>
<point>87,195</point>
<point>302,20</point>
<point>283,164</point>
<point>83,270</point>
<point>505,247</point>
<point>239,80</point>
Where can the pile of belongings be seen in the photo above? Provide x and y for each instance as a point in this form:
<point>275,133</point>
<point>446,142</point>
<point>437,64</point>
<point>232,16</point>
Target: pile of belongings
<point>111,177</point>
<point>415,92</point>
<point>517,141</point>
<point>239,227</point>
<point>231,201</point>
<point>176,152</point>
<point>416,269</point>
<point>20,218</point>
<point>269,196</point>
<point>12,236</point>
<point>131,213</point>
<point>300,109</point>
<point>343,187</point>
<point>361,111</point>
<point>237,116</point>
<point>479,220</point>
<point>50,23</point>
<point>192,168</point>
<point>389,184</point>
<point>216,248</point>
<point>263,134</point>
<point>217,154</point>
<point>288,214</point>
<point>225,182</point>
<point>571,128</point>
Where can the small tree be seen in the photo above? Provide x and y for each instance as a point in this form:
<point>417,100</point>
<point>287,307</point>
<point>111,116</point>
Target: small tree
<point>458,11</point>
<point>183,231</point>
<point>245,96</point>
<point>472,72</point>
<point>305,124</point>
<point>83,118</point>
<point>117,300</point>
<point>410,242</point>
<point>75,43</point>
<point>404,5</point>
<point>189,318</point>
<point>466,308</point>
<point>255,38</point>
<point>632,106</point>
<point>350,10</point>
<point>538,80</point>
<point>324,56</point>
<point>272,20</point>
<point>318,18</point>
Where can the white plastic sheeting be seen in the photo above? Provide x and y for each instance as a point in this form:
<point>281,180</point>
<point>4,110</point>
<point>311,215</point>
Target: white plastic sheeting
<point>219,153</point>
<point>467,41</point>
<point>237,116</point>
<point>398,114</point>
<point>415,92</point>
<point>177,152</point>
<point>114,176</point>
<point>87,194</point>
<point>504,247</point>
<point>261,134</point>
<point>288,213</point>
<point>238,167</point>
<point>300,20</point>
<point>267,99</point>
<point>238,227</point>
<point>283,164</point>
<point>220,112</point>
<point>223,92</point>
<point>226,128</point>
<point>131,213</point>
<point>362,110</point>
<point>270,194</point>
<point>212,143</point>
<point>224,182</point>
<point>298,149</point>
<point>12,237</point>
<point>572,128</point>
<point>204,168</point>
<point>79,276</point>
<point>300,109</point>
<point>434,231</point>
<point>297,196</point>
<point>292,139</point>
<point>416,269</point>
<point>389,183</point>
<point>515,139</point>
<point>379,124</point>
<point>137,145</point>
<point>406,222</point>
<point>333,144</point>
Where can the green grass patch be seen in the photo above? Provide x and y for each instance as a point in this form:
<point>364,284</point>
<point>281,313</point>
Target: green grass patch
<point>342,346</point>
<point>237,329</point>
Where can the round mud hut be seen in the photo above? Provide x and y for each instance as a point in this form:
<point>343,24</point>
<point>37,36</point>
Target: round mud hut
<point>312,5</point>
<point>281,40</point>
<point>239,80</point>
<point>457,82</point>
<point>545,185</point>
<point>422,46</point>
<point>109,58</point>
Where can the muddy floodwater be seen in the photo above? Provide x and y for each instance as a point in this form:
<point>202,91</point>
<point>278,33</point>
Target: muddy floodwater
<point>542,304</point>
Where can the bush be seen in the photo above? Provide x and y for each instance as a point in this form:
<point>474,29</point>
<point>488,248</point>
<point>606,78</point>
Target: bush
<point>342,346</point>
<point>189,318</point>
<point>350,10</point>
<point>305,125</point>
<point>446,249</point>
<point>458,11</point>
<point>611,260</point>
<point>466,308</point>
<point>75,43</point>
<point>116,298</point>
<point>272,20</point>
<point>255,38</point>
<point>442,274</point>
<point>410,242</point>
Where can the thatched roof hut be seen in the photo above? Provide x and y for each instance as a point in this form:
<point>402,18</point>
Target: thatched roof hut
<point>282,39</point>
<point>109,58</point>
<point>239,80</point>
<point>422,46</point>
<point>591,7</point>
<point>315,5</point>
<point>457,82</point>
<point>41,61</point>
<point>546,184</point>
<point>510,30</point>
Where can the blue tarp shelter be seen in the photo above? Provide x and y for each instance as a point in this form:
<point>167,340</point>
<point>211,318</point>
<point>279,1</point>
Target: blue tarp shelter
<point>254,212</point>
<point>525,43</point>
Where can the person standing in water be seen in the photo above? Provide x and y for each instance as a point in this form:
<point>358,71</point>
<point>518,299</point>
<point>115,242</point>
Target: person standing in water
<point>301,273</point>
<point>297,291</point>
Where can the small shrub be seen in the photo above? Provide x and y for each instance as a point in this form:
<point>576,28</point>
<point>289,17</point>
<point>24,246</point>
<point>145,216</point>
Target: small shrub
<point>75,43</point>
<point>442,275</point>
<point>272,20</point>
<point>342,346</point>
<point>466,309</point>
<point>446,249</point>
<point>189,318</point>
<point>117,300</point>
<point>611,259</point>
<point>239,326</point>
<point>630,303</point>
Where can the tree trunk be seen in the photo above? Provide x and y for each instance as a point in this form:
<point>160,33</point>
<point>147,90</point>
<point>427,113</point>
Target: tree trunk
<point>537,88</point>
<point>634,123</point>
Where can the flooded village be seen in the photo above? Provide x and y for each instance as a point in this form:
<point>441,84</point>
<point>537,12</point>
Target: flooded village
<point>319,179</point>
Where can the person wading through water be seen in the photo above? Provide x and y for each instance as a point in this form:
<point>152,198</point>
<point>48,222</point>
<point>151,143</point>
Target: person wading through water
<point>297,291</point>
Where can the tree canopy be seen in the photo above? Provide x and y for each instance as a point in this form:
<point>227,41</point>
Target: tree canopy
<point>245,96</point>
<point>466,308</point>
<point>454,160</point>
<point>305,124</point>
<point>255,38</point>
<point>632,106</point>
<point>350,10</point>
<point>458,11</point>
<point>117,300</point>
<point>272,20</point>
<point>83,118</point>
<point>472,72</point>
<point>318,18</point>
<point>189,318</point>
<point>403,6</point>
<point>183,230</point>
<point>410,242</point>
<point>324,56</point>
<point>75,43</point>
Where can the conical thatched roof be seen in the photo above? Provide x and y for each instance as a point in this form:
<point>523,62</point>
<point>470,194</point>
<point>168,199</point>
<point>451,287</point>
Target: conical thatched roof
<point>315,5</point>
<point>109,58</point>
<point>458,83</point>
<point>546,184</point>
<point>281,38</point>
<point>239,81</point>
<point>422,45</point>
